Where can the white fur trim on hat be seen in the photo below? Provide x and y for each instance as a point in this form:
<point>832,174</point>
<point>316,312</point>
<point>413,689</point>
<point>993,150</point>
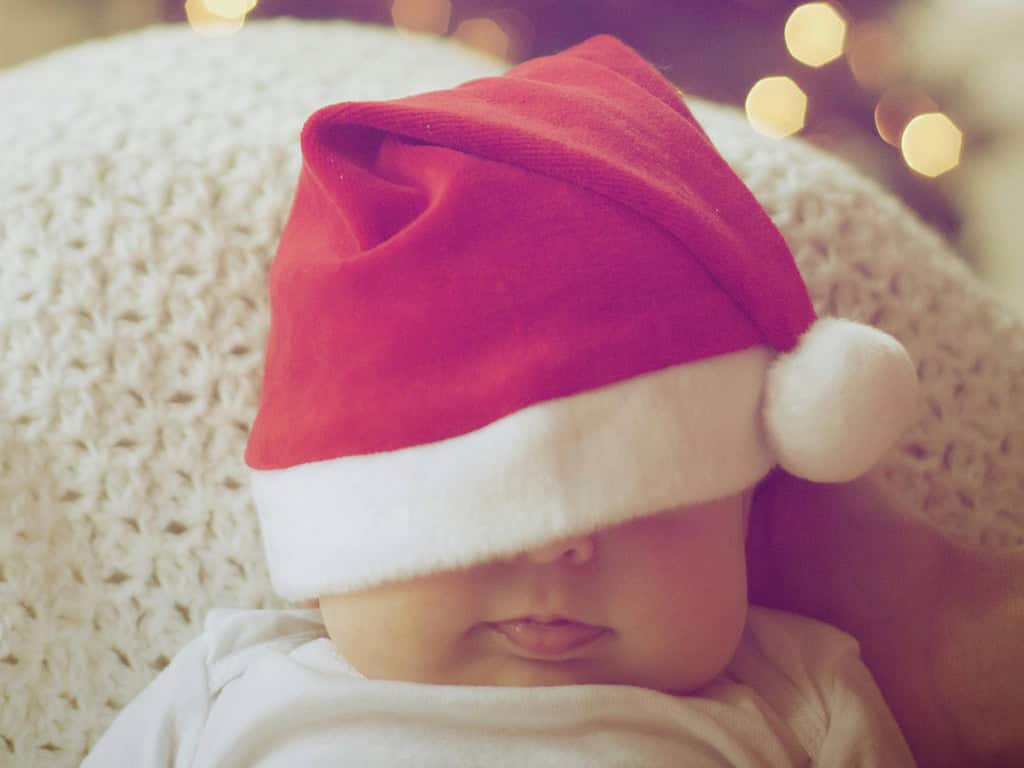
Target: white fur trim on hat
<point>682,435</point>
<point>838,402</point>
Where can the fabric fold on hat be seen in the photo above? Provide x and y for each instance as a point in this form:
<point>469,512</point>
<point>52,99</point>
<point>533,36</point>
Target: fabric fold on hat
<point>600,117</point>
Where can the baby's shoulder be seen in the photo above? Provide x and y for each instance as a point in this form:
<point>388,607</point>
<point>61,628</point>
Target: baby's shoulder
<point>235,638</point>
<point>789,638</point>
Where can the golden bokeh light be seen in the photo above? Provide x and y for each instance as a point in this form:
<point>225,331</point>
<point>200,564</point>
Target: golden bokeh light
<point>230,9</point>
<point>485,34</point>
<point>897,107</point>
<point>931,144</point>
<point>872,51</point>
<point>815,34</point>
<point>429,16</point>
<point>210,24</point>
<point>520,30</point>
<point>776,106</point>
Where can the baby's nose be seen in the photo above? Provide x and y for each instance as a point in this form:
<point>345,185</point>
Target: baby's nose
<point>576,550</point>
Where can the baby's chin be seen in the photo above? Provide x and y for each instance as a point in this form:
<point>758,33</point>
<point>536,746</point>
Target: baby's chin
<point>528,673</point>
<point>503,671</point>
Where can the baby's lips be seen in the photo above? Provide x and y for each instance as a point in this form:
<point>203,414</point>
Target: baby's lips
<point>548,638</point>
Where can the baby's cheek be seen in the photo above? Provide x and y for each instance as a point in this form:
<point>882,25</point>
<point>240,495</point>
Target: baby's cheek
<point>414,631</point>
<point>685,642</point>
<point>684,616</point>
<point>394,649</point>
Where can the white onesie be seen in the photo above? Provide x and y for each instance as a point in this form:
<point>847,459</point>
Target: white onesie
<point>266,688</point>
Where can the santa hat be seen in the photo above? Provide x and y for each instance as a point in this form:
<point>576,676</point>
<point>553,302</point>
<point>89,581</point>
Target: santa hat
<point>529,307</point>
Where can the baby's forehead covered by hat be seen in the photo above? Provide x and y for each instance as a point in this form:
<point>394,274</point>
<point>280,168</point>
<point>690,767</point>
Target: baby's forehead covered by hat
<point>528,306</point>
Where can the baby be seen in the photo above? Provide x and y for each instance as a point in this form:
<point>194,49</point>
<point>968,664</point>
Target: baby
<point>533,346</point>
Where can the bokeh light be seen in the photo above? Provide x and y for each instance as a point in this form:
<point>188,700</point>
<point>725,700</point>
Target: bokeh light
<point>776,106</point>
<point>872,51</point>
<point>815,33</point>
<point>229,9</point>
<point>520,30</point>
<point>206,22</point>
<point>427,16</point>
<point>486,34</point>
<point>931,144</point>
<point>897,107</point>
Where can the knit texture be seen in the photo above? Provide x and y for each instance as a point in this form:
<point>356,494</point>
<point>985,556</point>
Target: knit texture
<point>144,182</point>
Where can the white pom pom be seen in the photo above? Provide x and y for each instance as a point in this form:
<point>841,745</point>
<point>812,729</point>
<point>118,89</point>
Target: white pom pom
<point>837,402</point>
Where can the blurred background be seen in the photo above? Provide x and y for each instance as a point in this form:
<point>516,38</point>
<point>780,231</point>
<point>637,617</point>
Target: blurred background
<point>926,96</point>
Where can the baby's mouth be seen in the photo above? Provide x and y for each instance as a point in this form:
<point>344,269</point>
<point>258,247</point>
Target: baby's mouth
<point>548,637</point>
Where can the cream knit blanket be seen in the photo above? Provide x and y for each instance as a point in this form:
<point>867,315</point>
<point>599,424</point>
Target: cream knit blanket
<point>143,184</point>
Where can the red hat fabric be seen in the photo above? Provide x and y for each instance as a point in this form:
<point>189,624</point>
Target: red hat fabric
<point>529,306</point>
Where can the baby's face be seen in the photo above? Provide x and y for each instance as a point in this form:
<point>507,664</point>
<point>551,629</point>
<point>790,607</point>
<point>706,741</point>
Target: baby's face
<point>663,599</point>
